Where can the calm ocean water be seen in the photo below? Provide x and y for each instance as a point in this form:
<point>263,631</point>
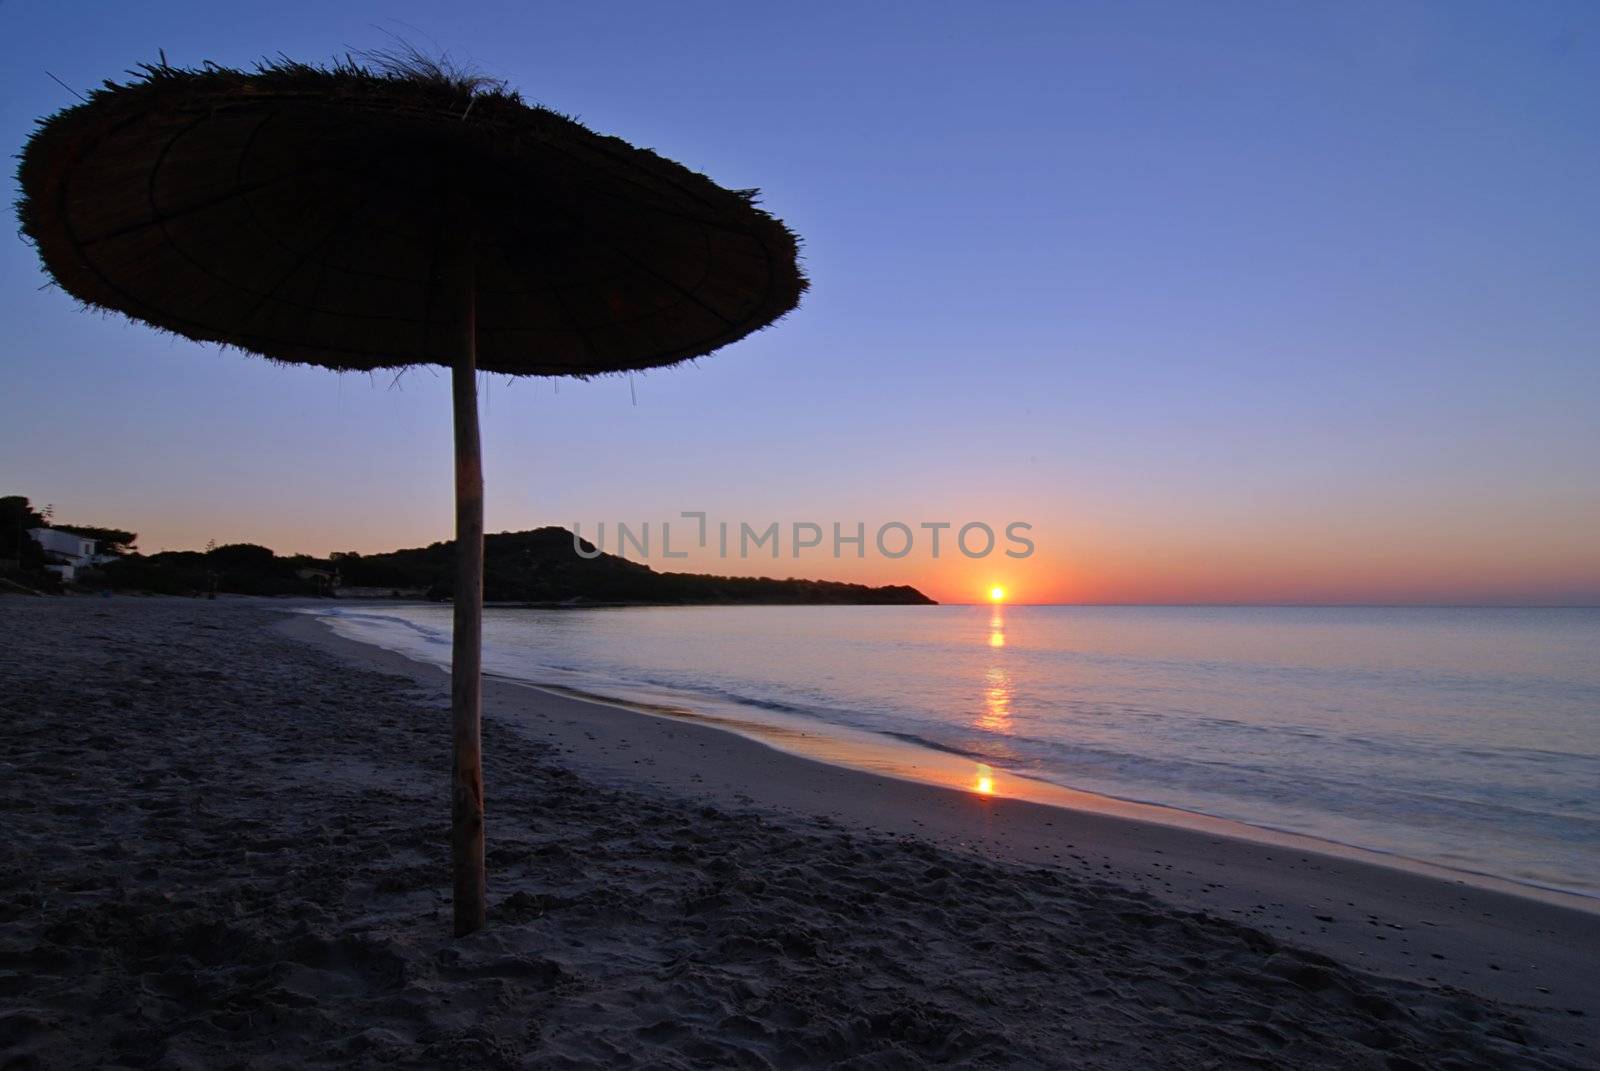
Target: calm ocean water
<point>1468,738</point>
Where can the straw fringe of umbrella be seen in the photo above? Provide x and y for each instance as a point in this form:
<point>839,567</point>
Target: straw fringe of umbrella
<point>234,207</point>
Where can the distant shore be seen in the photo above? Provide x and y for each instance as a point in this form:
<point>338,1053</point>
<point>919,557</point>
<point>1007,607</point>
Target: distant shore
<point>227,844</point>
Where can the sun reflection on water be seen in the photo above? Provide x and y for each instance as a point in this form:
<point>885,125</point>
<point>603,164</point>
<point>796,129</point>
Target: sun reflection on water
<point>996,715</point>
<point>983,781</point>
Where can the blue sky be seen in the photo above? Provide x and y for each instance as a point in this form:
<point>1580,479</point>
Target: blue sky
<point>1231,301</point>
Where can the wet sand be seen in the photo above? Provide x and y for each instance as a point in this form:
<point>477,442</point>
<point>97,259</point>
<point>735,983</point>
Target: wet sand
<point>226,837</point>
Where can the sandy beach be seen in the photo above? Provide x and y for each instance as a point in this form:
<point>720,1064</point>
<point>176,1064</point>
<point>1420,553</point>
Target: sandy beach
<point>226,846</point>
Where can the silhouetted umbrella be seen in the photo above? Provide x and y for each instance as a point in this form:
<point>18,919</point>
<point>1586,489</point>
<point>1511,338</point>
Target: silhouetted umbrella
<point>358,219</point>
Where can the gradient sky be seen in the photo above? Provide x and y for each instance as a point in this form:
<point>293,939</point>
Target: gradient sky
<point>1233,302</point>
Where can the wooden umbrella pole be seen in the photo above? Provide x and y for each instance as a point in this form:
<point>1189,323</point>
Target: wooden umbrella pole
<point>466,684</point>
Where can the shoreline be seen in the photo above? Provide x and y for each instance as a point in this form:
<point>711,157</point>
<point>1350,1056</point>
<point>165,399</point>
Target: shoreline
<point>1539,953</point>
<point>1067,798</point>
<point>920,763</point>
<point>228,845</point>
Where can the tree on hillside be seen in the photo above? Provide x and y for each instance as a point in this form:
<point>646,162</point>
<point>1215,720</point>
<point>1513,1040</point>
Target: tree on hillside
<point>17,515</point>
<point>241,556</point>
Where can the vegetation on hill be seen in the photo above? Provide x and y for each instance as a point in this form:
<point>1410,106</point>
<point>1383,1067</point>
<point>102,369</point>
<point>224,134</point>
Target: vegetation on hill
<point>538,566</point>
<point>238,568</point>
<point>17,550</point>
<point>542,566</point>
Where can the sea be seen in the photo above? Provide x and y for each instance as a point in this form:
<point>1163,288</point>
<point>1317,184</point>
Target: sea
<point>1468,739</point>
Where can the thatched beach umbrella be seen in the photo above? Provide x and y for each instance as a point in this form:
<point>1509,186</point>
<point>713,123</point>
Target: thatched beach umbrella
<point>359,220</point>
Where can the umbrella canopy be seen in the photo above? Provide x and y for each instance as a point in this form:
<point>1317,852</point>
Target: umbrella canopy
<point>306,214</point>
<point>356,220</point>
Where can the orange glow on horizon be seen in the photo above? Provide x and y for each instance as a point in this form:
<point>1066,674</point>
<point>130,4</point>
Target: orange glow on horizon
<point>1136,556</point>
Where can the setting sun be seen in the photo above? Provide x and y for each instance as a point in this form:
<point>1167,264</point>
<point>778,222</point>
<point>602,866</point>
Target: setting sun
<point>997,594</point>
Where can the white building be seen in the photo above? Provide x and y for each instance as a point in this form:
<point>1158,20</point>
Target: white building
<point>66,552</point>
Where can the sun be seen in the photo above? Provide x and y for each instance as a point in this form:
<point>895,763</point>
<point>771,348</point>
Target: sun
<point>997,594</point>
